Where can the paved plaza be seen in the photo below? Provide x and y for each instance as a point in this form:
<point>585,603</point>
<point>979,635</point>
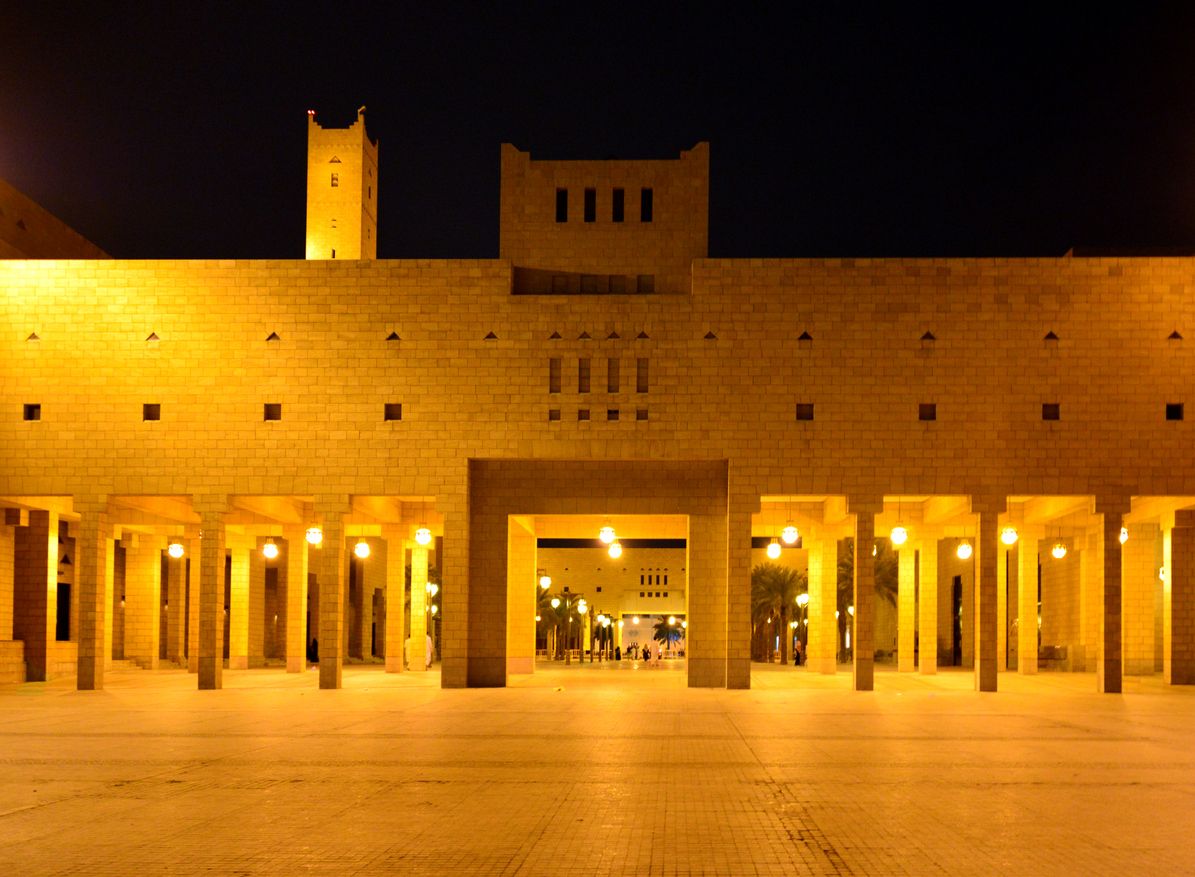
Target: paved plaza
<point>596,770</point>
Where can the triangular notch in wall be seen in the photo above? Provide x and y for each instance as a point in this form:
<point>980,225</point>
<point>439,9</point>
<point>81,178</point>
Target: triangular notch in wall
<point>490,336</point>
<point>273,336</point>
<point>393,336</point>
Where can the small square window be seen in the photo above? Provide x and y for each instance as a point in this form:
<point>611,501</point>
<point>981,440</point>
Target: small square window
<point>927,411</point>
<point>32,412</point>
<point>553,414</point>
<point>804,411</point>
<point>272,411</point>
<point>151,411</point>
<point>641,414</point>
<point>1174,410</point>
<point>392,411</point>
<point>640,593</point>
<point>1051,411</point>
<point>611,414</point>
<point>582,414</point>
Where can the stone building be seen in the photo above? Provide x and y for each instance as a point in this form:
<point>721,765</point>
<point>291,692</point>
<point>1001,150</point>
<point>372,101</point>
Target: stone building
<point>167,424</point>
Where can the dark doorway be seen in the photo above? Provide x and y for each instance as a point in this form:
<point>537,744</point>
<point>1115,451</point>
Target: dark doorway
<point>62,623</point>
<point>227,602</point>
<point>956,615</point>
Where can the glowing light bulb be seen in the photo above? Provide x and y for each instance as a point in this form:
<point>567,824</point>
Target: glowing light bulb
<point>850,610</point>
<point>635,620</point>
<point>432,588</point>
<point>1009,536</point>
<point>361,549</point>
<point>606,534</point>
<point>435,608</point>
<point>582,607</point>
<point>803,600</point>
<point>790,534</point>
<point>537,618</point>
<point>773,549</point>
<point>621,623</point>
<point>314,535</point>
<point>175,550</point>
<point>555,602</point>
<point>899,536</point>
<point>615,550</point>
<point>672,619</point>
<point>1161,577</point>
<point>269,551</point>
<point>423,536</point>
<point>1124,535</point>
<point>545,582</point>
<point>874,550</point>
<point>964,551</point>
<point>1058,551</point>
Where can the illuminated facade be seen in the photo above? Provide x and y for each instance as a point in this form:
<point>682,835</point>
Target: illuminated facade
<point>602,370</point>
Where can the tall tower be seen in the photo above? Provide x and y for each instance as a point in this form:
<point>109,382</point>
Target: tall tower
<point>342,191</point>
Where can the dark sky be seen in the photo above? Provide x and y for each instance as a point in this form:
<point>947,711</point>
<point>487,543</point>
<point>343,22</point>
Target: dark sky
<point>177,130</point>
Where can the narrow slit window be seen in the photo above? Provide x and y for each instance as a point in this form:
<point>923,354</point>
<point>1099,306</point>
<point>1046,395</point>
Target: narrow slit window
<point>590,205</point>
<point>151,411</point>
<point>1174,410</point>
<point>554,374</point>
<point>272,411</point>
<point>582,375</point>
<point>612,374</point>
<point>641,376</point>
<point>335,180</point>
<point>562,205</point>
<point>32,411</point>
<point>646,205</point>
<point>392,411</point>
<point>618,205</point>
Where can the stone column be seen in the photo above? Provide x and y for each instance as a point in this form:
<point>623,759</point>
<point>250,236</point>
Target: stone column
<point>863,639</point>
<point>212,511</point>
<point>987,551</point>
<point>906,623</point>
<point>417,649</point>
<point>521,588</point>
<point>257,606</point>
<point>706,564</point>
<point>194,558</point>
<point>1139,576</point>
<point>1178,645</point>
<point>330,574</point>
<point>143,600</point>
<point>35,590</point>
<point>1027,602</point>
<point>741,505</point>
<point>455,558</point>
<point>296,599</point>
<point>94,559</point>
<point>823,602</point>
<point>1001,603</point>
<point>238,609</point>
<point>396,596</point>
<point>927,575</point>
<point>1110,657</point>
<point>176,608</point>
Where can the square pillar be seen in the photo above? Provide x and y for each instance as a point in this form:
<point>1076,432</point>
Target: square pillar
<point>194,552</point>
<point>330,575</point>
<point>987,553</point>
<point>211,592</point>
<point>521,589</point>
<point>455,558</point>
<point>1027,563</point>
<point>238,609</point>
<point>35,590</point>
<point>143,600</point>
<point>257,606</point>
<point>176,609</point>
<point>1139,579</point>
<point>737,542</point>
<point>1002,563</point>
<point>927,576</point>
<point>1178,596</point>
<point>417,644</point>
<point>396,596</point>
<point>1109,652</point>
<point>94,562</point>
<point>906,608</point>
<point>823,602</point>
<point>863,640</point>
<point>706,634</point>
<point>296,556</point>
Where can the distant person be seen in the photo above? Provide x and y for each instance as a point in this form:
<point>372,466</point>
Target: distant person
<point>618,653</point>
<point>430,651</point>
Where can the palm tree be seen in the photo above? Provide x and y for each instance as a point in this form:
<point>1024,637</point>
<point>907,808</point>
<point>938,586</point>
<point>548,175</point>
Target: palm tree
<point>668,634</point>
<point>774,591</point>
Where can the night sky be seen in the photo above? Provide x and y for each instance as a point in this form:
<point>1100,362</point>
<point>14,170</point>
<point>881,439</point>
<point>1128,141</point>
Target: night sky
<point>177,130</point>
